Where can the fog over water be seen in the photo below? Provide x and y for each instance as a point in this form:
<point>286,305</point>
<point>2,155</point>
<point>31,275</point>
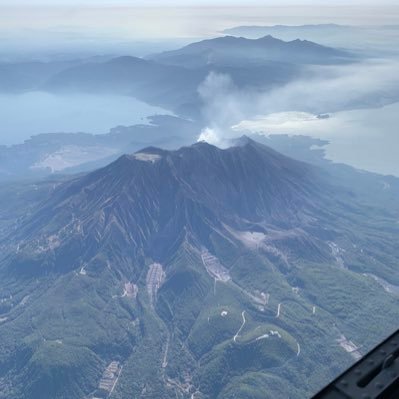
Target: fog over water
<point>367,138</point>
<point>28,114</point>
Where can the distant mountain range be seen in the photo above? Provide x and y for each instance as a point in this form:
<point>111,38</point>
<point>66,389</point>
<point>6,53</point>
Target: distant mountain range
<point>172,87</point>
<point>239,51</point>
<point>192,273</point>
<point>168,86</point>
<point>171,79</point>
<point>369,40</point>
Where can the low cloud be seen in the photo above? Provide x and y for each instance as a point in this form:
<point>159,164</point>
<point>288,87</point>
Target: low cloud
<point>324,90</point>
<point>338,88</point>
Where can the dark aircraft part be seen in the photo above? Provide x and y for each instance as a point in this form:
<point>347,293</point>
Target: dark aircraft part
<point>375,376</point>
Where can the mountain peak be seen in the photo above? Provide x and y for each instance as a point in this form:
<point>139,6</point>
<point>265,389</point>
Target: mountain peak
<point>198,188</point>
<point>269,38</point>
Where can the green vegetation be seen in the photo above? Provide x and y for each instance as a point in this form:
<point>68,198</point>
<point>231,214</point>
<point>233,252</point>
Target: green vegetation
<point>78,293</point>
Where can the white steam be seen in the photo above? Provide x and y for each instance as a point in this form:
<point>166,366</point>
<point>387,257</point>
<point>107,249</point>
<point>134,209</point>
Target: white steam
<point>364,138</point>
<point>222,107</point>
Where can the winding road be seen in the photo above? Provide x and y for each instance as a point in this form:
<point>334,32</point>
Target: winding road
<point>242,326</point>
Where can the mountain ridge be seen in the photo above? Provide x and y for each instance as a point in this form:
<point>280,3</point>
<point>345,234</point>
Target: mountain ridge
<point>179,176</point>
<point>171,79</point>
<point>227,50</point>
<point>178,266</point>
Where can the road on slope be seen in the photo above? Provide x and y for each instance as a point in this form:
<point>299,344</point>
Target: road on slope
<point>241,327</point>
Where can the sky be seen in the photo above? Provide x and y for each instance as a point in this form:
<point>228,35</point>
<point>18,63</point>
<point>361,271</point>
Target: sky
<point>135,22</point>
<point>135,3</point>
<point>47,23</point>
<point>153,19</point>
